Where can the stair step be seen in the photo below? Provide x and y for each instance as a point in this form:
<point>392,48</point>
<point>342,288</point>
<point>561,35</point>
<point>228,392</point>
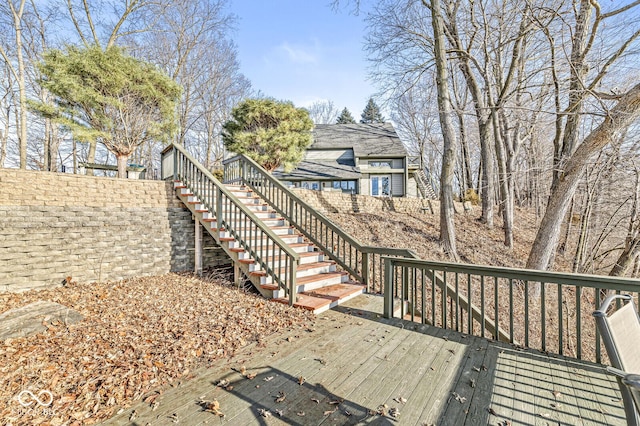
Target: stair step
<point>301,268</point>
<point>315,281</point>
<point>305,257</point>
<point>326,298</point>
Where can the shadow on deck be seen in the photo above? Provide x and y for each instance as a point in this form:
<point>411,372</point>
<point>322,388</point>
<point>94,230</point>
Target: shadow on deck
<point>359,368</point>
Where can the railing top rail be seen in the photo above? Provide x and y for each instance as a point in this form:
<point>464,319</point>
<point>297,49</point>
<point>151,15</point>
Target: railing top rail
<point>299,200</point>
<point>270,233</point>
<point>357,244</point>
<point>581,280</point>
<point>408,253</point>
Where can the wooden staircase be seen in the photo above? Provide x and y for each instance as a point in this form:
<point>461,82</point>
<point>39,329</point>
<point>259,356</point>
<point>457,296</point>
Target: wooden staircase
<point>319,284</point>
<point>424,185</point>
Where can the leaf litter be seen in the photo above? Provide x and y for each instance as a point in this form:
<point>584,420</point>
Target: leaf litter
<point>138,336</point>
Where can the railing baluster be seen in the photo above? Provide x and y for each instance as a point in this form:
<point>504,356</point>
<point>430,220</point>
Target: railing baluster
<point>560,324</point>
<point>496,335</point>
<point>482,306</point>
<point>443,295</point>
<point>511,313</point>
<point>579,322</point>
<point>543,320</point>
<point>526,313</point>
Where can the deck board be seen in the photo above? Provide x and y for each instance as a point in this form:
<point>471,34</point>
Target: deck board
<point>363,361</point>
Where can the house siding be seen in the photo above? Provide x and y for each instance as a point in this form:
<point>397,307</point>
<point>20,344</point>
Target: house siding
<point>397,185</point>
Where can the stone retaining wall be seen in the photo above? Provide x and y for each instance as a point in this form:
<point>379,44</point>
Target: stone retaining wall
<point>55,225</point>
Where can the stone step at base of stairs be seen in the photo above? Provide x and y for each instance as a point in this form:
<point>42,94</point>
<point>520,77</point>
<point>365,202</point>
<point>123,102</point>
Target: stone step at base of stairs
<point>323,299</point>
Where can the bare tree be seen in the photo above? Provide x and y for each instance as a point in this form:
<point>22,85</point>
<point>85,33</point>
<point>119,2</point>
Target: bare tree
<point>571,157</point>
<point>449,148</point>
<point>323,112</point>
<point>14,61</point>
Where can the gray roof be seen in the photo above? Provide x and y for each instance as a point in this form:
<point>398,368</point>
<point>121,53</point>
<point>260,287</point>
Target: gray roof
<point>319,170</point>
<point>367,140</point>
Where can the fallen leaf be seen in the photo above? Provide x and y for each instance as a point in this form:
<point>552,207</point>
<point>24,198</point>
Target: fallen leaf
<point>301,380</point>
<point>394,412</point>
<point>317,401</point>
<point>400,400</point>
<point>251,376</point>
<point>281,397</point>
<point>264,413</point>
<point>213,407</point>
<point>268,379</point>
<point>300,414</point>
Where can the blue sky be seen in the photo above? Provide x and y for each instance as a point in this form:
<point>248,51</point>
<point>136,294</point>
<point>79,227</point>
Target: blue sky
<point>303,51</point>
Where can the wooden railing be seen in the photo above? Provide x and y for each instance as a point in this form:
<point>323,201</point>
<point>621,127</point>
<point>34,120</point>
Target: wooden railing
<point>273,255</point>
<point>363,263</point>
<point>548,311</point>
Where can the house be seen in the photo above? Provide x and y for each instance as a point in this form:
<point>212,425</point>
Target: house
<point>365,159</point>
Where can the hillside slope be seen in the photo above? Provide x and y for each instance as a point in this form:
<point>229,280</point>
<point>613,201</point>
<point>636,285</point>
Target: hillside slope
<point>477,243</point>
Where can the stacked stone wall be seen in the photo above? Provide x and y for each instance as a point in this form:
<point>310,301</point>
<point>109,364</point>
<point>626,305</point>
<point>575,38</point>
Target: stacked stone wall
<point>55,225</point>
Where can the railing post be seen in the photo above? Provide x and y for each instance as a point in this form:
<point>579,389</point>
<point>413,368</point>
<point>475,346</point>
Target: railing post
<point>198,247</point>
<point>243,171</point>
<point>175,164</point>
<point>218,209</point>
<point>365,271</point>
<point>388,287</point>
<point>293,287</point>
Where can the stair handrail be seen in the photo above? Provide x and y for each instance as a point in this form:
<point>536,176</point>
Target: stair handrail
<point>211,192</point>
<point>345,250</point>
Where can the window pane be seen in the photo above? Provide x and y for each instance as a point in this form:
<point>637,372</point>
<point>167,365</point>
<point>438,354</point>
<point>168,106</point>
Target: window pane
<point>386,186</point>
<point>374,185</point>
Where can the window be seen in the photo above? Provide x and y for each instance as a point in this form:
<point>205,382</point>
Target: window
<point>315,185</point>
<point>381,185</point>
<point>384,163</point>
<point>348,186</point>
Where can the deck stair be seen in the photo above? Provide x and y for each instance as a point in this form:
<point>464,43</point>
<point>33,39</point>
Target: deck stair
<point>319,283</point>
<point>425,185</point>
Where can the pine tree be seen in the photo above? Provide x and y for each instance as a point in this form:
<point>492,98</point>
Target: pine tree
<point>273,133</point>
<point>371,113</point>
<point>109,97</point>
<point>345,117</point>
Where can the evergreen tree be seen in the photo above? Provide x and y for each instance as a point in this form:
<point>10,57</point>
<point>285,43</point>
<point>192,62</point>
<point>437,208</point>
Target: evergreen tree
<point>371,113</point>
<point>273,133</point>
<point>109,97</point>
<point>345,117</point>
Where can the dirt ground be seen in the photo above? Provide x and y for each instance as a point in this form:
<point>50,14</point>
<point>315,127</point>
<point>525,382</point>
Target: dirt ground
<point>138,336</point>
<point>476,242</point>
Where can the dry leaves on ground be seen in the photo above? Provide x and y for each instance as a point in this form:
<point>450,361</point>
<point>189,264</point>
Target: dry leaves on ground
<point>138,335</point>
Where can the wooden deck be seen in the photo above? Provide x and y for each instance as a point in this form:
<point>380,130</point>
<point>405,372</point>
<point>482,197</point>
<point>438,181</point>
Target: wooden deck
<point>358,366</point>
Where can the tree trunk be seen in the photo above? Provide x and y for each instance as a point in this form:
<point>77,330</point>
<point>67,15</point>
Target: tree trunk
<point>122,165</point>
<point>618,120</point>
<point>631,252</point>
<point>447,224</point>
<point>22,85</point>
<point>91,158</point>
